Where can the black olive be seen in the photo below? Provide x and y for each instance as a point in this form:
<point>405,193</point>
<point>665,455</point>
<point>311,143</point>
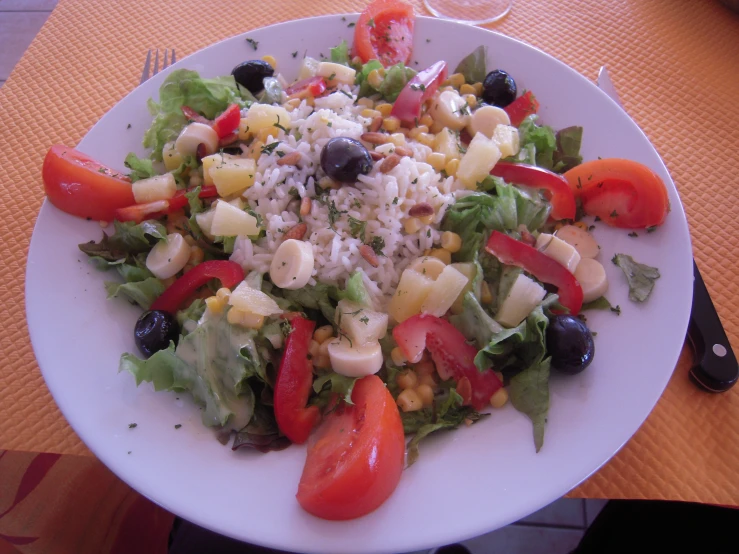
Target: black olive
<point>154,330</point>
<point>570,344</point>
<point>344,159</point>
<point>251,75</point>
<point>498,88</point>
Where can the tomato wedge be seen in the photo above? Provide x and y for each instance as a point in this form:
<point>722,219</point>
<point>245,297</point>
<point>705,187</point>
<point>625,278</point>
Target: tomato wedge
<point>522,107</point>
<point>513,252</point>
<point>226,123</point>
<point>557,187</point>
<point>228,273</point>
<point>623,193</point>
<point>158,208</point>
<point>407,106</point>
<point>384,32</point>
<point>294,384</point>
<point>355,457</point>
<point>451,353</point>
<point>78,185</point>
<point>312,86</point>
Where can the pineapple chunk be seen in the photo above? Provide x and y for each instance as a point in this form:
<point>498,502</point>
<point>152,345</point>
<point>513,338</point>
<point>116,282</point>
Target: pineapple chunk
<point>482,154</point>
<point>362,325</point>
<point>507,140</point>
<point>232,176</point>
<point>447,143</point>
<point>205,222</point>
<point>469,270</point>
<point>410,295</point>
<point>444,291</point>
<point>336,73</point>
<point>264,116</point>
<point>253,301</point>
<point>308,68</point>
<point>159,187</point>
<point>172,158</point>
<point>523,296</point>
<point>429,266</point>
<point>210,161</point>
<point>229,221</point>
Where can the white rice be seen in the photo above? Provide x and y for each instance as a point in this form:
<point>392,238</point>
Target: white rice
<point>382,200</point>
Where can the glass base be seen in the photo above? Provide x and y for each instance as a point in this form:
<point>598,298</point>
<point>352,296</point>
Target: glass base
<point>474,12</point>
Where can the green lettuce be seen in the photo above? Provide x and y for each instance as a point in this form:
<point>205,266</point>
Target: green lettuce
<point>474,322</point>
<point>128,240</point>
<point>333,383</point>
<point>142,293</point>
<point>141,168</point>
<point>395,79</point>
<point>192,313</point>
<point>272,93</point>
<point>324,298</point>
<point>340,53</point>
<point>541,146</point>
<point>355,290</point>
<point>474,66</point>
<point>641,277</point>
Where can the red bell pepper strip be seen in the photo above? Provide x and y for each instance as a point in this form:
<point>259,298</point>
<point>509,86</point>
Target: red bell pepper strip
<point>522,107</point>
<point>513,252</point>
<point>312,86</point>
<point>159,208</point>
<point>451,353</point>
<point>228,273</point>
<point>294,383</point>
<point>192,115</point>
<point>558,189</point>
<point>407,107</point>
<point>226,123</point>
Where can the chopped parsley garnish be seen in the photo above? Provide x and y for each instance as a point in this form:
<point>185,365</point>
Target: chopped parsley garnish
<point>351,25</point>
<point>419,86</point>
<point>128,126</point>
<point>293,192</point>
<point>346,94</point>
<point>357,228</point>
<point>597,218</point>
<point>614,214</point>
<point>132,425</point>
<point>616,310</point>
<point>428,40</point>
<point>633,234</point>
<point>371,23</point>
<point>269,148</point>
<point>651,229</point>
<point>295,54</point>
<point>377,244</point>
<point>333,214</point>
<point>356,203</point>
<point>364,319</point>
<point>579,183</point>
<point>254,43</point>
<point>178,426</point>
<point>414,181</point>
<point>395,200</point>
<point>278,124</point>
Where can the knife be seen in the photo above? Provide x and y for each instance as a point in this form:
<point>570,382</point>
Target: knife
<point>715,368</point>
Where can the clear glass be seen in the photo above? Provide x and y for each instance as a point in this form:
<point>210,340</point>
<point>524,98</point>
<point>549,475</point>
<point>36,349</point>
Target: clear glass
<point>474,12</point>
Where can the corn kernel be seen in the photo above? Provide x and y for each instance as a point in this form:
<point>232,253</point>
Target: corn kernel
<point>456,80</point>
<point>169,282</point>
<point>310,101</point>
<point>425,367</point>
<point>478,89</point>
<point>426,219</point>
<point>582,225</point>
<point>407,379</point>
<point>411,225</point>
<point>322,334</point>
<point>323,348</point>
<point>413,133</point>
<point>214,305</point>
<point>397,356</point>
<point>252,321</point>
<point>409,401</point>
<point>436,160</point>
<point>234,316</point>
<point>356,60</point>
<point>367,112</point>
<point>398,139</point>
<point>486,295</point>
<point>499,375</point>
<point>313,348</point>
<point>223,294</point>
<point>467,89</point>
<point>451,167</point>
<point>366,103</point>
<point>291,104</point>
<point>375,79</point>
<point>384,109</point>
<point>451,241</point>
<point>196,255</point>
<point>426,394</point>
<point>427,379</point>
<point>471,100</point>
<point>391,124</point>
<point>426,139</point>
<point>442,254</point>
<point>426,120</point>
<point>324,362</point>
<point>499,399</point>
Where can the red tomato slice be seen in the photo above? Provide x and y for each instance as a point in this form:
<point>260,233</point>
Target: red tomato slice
<point>384,32</point>
<point>312,86</point>
<point>294,384</point>
<point>407,106</point>
<point>78,185</point>
<point>557,187</point>
<point>452,355</point>
<point>355,457</point>
<point>226,123</point>
<point>522,107</point>
<point>623,193</point>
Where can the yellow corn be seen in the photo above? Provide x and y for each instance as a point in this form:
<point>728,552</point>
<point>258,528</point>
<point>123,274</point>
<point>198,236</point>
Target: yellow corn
<point>321,361</point>
<point>426,139</point>
<point>499,399</point>
<point>471,100</point>
<point>384,108</point>
<point>366,103</point>
<point>486,295</point>
<point>582,225</point>
<point>397,356</point>
<point>499,375</point>
<point>270,60</point>
<point>196,255</point>
<point>214,304</point>
<point>413,133</point>
<point>426,120</point>
<point>456,80</point>
<point>426,219</point>
<point>407,379</point>
<point>409,401</point>
<point>375,79</point>
<point>313,348</point>
<point>322,334</point>
<point>427,379</point>
<point>411,225</point>
<point>425,367</point>
<point>467,89</point>
<point>436,160</point>
<point>368,112</point>
<point>391,124</point>
<point>442,254</point>
<point>356,60</point>
<point>189,239</point>
<point>223,294</point>
<point>451,241</point>
<point>398,139</point>
<point>478,89</point>
<point>426,394</point>
<point>451,167</point>
<point>323,348</point>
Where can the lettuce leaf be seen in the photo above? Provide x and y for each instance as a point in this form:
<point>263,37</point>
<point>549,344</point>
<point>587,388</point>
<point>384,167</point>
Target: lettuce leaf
<point>474,322</point>
<point>192,313</point>
<point>474,66</point>
<point>541,146</point>
<point>142,293</point>
<point>141,168</point>
<point>333,383</point>
<point>340,53</point>
<point>262,433</point>
<point>128,240</point>
<point>355,290</point>
<point>641,277</point>
<point>395,79</point>
<point>272,93</point>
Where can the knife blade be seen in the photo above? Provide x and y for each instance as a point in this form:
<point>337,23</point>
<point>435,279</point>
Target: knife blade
<point>715,367</point>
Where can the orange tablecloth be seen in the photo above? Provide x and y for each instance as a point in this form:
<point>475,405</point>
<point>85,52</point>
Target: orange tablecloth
<point>675,65</point>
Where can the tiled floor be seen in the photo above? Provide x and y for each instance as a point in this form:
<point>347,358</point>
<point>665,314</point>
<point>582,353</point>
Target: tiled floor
<point>555,529</point>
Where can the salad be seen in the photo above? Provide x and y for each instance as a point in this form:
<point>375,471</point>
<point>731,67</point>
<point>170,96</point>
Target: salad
<point>363,255</point>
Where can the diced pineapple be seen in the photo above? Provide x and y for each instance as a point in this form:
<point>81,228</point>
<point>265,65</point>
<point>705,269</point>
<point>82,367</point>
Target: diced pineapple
<point>253,301</point>
<point>308,68</point>
<point>523,296</point>
<point>362,325</point>
<point>244,132</point>
<point>410,295</point>
<point>159,187</point>
<point>447,143</point>
<point>482,154</point>
<point>507,140</point>
<point>172,158</point>
<point>231,175</point>
<point>469,270</point>
<point>265,116</point>
<point>210,161</point>
<point>444,292</point>
<point>205,222</point>
<point>229,221</point>
<point>336,73</point>
<point>429,266</point>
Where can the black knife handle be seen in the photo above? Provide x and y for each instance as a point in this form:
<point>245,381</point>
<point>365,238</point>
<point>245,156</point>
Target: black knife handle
<point>715,368</point>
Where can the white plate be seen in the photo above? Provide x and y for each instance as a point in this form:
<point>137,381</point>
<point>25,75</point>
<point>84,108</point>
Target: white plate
<point>466,482</point>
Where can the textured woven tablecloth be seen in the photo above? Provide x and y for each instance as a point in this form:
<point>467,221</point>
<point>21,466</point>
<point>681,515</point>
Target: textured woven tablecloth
<point>674,63</point>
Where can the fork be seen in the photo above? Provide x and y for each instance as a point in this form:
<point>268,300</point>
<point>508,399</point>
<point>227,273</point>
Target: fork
<point>165,63</point>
